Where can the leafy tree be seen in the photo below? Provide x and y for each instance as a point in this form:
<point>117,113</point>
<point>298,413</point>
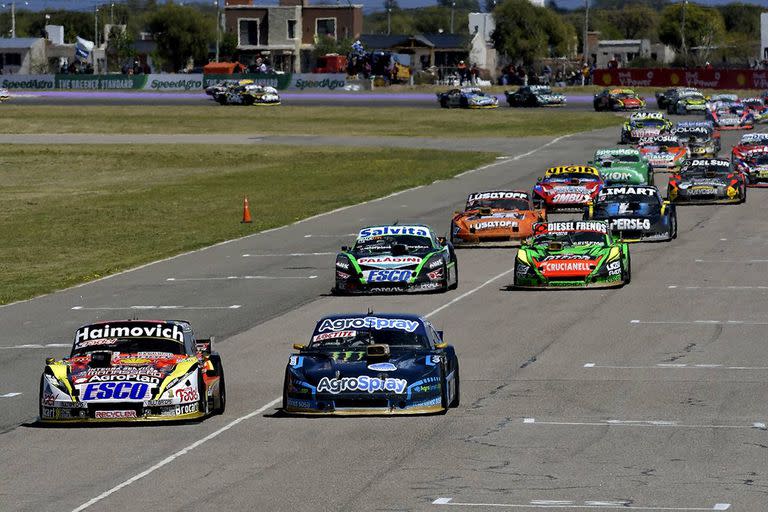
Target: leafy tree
<point>526,32</point>
<point>181,33</point>
<point>119,48</point>
<point>327,44</point>
<point>635,21</point>
<point>228,46</point>
<point>704,29</point>
<point>742,18</point>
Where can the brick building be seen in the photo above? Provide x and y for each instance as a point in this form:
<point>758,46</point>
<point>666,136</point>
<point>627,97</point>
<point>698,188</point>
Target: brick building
<point>285,34</point>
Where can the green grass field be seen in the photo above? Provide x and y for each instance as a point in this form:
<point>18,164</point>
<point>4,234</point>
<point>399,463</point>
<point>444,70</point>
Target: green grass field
<point>300,120</point>
<point>72,214</point>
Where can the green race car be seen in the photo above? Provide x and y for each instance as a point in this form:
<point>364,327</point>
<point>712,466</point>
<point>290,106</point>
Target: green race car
<point>572,254</point>
<point>623,166</point>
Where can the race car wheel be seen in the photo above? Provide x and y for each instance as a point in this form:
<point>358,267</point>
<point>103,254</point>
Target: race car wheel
<point>673,227</point>
<point>457,388</point>
<point>285,391</point>
<point>628,275</point>
<point>220,400</point>
<point>455,276</point>
<point>538,203</point>
<point>40,398</point>
<point>651,177</point>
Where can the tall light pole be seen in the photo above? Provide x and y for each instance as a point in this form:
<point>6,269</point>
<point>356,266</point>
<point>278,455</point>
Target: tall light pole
<point>218,29</point>
<point>453,8</point>
<point>96,27</point>
<point>112,13</point>
<point>682,35</point>
<point>586,40</point>
<point>13,19</point>
<point>389,17</point>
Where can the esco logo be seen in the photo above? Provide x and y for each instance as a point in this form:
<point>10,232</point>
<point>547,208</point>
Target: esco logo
<point>116,390</point>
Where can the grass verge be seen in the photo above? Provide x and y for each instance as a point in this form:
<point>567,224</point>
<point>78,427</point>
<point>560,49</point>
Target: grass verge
<point>69,216</point>
<point>300,120</point>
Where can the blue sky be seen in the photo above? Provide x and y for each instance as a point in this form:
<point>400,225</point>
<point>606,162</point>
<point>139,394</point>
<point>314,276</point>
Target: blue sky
<point>370,5</point>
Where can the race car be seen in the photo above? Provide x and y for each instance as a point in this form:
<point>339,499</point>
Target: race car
<point>468,97</point>
<point>567,187</point>
<point>247,93</point>
<point>669,97</point>
<point>635,213</point>
<point>700,137</point>
<point>617,99</point>
<point>752,162</point>
<point>534,96</point>
<point>133,370</point>
<point>396,259</point>
<point>687,102</point>
<point>730,116</point>
<point>748,142</point>
<point>623,166</point>
<point>707,181</point>
<point>4,95</point>
<point>374,363</point>
<point>495,218</point>
<point>758,108</point>
<point>663,152</point>
<point>726,98</point>
<point>218,88</point>
<point>643,124</point>
<point>572,254</point>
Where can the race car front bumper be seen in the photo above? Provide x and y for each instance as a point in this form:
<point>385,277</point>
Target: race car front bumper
<point>580,284</point>
<point>473,240</point>
<point>78,412</point>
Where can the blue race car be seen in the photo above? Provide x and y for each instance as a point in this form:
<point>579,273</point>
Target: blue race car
<point>468,97</point>
<point>635,213</point>
<point>370,363</point>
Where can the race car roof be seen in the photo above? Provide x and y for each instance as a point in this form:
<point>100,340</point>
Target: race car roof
<point>370,321</point>
<point>564,169</point>
<point>751,138</point>
<point>165,329</point>
<point>395,230</point>
<point>626,190</point>
<point>616,151</point>
<point>498,194</point>
<point>638,116</point>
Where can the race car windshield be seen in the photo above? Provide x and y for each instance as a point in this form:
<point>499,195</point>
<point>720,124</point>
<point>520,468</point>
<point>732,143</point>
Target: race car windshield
<point>704,171</point>
<point>128,346</point>
<point>624,96</point>
<point>761,159</point>
<point>625,199</point>
<point>571,238</point>
<point>649,123</point>
<point>566,177</point>
<point>500,204</point>
<point>351,340</point>
<point>385,243</point>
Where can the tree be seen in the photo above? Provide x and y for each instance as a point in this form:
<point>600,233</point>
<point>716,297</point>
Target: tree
<point>181,33</point>
<point>704,30</point>
<point>228,46</point>
<point>742,18</point>
<point>119,48</point>
<point>526,32</point>
<point>635,21</point>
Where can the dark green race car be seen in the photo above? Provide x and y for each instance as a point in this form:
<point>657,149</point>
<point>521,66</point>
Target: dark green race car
<point>623,166</point>
<point>572,254</point>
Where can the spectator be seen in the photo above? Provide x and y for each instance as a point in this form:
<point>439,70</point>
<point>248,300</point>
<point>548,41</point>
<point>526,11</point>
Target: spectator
<point>547,74</point>
<point>474,73</point>
<point>462,71</point>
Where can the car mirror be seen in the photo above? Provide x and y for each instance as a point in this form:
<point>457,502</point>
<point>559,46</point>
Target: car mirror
<point>441,345</point>
<point>299,346</point>
<point>441,240</point>
<point>440,334</point>
<point>538,180</point>
<point>344,248</point>
<point>50,360</point>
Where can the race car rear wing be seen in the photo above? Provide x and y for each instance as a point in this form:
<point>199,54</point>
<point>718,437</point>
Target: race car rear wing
<point>204,345</point>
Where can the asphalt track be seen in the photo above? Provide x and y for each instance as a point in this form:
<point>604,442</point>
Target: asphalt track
<point>650,397</point>
<point>334,99</point>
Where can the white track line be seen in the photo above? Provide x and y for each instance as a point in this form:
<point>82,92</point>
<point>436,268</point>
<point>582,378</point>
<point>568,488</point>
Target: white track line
<point>726,288</point>
<point>261,409</point>
<point>301,221</point>
<point>697,322</point>
<point>107,308</point>
<point>36,345</point>
<point>235,278</point>
<point>289,255</point>
<point>9,395</point>
<point>731,261</point>
<point>638,423</point>
<point>677,366</point>
<point>599,505</point>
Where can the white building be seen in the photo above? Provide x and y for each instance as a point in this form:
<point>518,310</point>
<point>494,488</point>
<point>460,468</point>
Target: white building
<point>481,50</point>
<point>22,55</point>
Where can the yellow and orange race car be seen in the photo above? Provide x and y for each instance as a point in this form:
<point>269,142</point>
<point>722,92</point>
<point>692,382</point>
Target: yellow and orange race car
<point>500,217</point>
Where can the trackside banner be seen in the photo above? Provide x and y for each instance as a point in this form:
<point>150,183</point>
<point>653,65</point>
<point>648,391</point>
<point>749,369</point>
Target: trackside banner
<point>177,82</point>
<point>697,77</point>
<point>27,81</point>
<point>152,82</point>
<point>318,81</point>
<point>276,81</point>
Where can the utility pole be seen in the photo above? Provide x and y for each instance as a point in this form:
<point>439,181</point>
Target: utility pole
<point>682,35</point>
<point>218,29</point>
<point>13,19</point>
<point>112,14</point>
<point>586,41</point>
<point>96,27</point>
<point>453,8</point>
<point>389,17</point>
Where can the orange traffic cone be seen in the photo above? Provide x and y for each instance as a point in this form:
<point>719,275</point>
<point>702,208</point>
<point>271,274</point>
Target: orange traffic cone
<point>246,212</point>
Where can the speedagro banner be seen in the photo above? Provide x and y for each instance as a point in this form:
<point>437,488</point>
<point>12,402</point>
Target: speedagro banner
<point>180,82</point>
<point>315,81</point>
<point>27,81</point>
<point>277,81</point>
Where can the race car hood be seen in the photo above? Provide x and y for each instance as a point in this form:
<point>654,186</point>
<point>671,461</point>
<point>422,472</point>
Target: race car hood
<point>706,182</point>
<point>625,210</point>
<point>631,102</point>
<point>497,220</point>
<point>142,368</point>
<point>341,372</point>
<point>551,99</point>
<point>576,261</point>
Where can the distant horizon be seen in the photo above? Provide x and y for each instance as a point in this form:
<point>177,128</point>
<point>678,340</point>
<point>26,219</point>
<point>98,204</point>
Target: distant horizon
<point>369,6</point>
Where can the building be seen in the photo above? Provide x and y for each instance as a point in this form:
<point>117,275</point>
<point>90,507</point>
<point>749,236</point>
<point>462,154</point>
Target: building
<point>23,55</point>
<point>286,34</point>
<point>425,50</point>
<point>481,51</point>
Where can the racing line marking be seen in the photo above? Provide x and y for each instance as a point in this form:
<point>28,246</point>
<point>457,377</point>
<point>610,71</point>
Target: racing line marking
<point>639,423</point>
<point>601,504</point>
<point>731,261</point>
<point>232,278</point>
<point>287,255</point>
<point>258,411</point>
<point>676,287</point>
<point>328,235</point>
<point>677,366</point>
<point>693,322</point>
<point>37,345</point>
<point>105,308</point>
<point>9,395</point>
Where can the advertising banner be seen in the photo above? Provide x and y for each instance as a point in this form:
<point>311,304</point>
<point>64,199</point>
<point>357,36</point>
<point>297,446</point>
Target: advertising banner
<point>178,82</point>
<point>27,81</point>
<point>698,77</point>
<point>318,81</point>
<point>277,81</point>
<point>100,82</point>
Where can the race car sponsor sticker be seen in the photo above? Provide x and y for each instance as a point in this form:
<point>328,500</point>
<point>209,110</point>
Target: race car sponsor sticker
<point>334,335</point>
<point>393,231</point>
<point>696,162</point>
<point>378,276</point>
<point>618,176</point>
<point>389,261</point>
<point>493,224</point>
<point>362,383</point>
<point>187,394</point>
<point>617,152</point>
<point>570,198</point>
<point>116,391</point>
<point>566,266</point>
<point>621,224</point>
<point>368,322</point>
<point>553,257</point>
<point>566,226</point>
<point>585,169</point>
<point>496,195</point>
<point>382,367</point>
<point>628,191</point>
<point>129,330</point>
<point>114,415</point>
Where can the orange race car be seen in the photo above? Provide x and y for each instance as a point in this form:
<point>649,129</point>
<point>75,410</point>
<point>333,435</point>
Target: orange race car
<point>499,217</point>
